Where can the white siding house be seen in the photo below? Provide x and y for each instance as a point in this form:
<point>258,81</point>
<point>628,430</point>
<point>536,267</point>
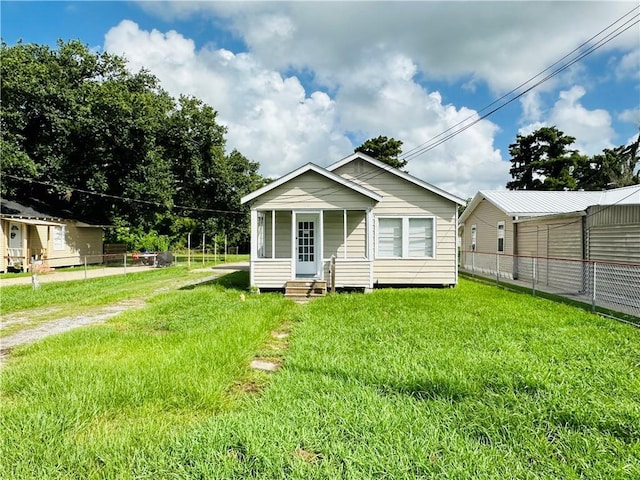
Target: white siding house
<point>381,225</point>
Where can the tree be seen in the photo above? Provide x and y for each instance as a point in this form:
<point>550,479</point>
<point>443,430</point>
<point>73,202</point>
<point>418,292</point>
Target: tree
<point>543,161</point>
<point>613,168</point>
<point>385,149</point>
<point>81,133</point>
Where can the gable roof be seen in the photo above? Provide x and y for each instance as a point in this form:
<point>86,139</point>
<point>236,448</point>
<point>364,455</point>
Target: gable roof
<point>397,172</point>
<point>310,167</point>
<point>533,203</point>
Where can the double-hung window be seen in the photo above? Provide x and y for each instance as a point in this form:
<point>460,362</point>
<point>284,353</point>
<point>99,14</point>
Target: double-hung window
<point>500,237</point>
<point>474,234</point>
<point>406,237</point>
<point>59,237</point>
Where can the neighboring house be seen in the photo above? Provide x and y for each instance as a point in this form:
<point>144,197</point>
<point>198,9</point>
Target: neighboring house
<point>28,236</point>
<point>383,226</point>
<point>576,225</point>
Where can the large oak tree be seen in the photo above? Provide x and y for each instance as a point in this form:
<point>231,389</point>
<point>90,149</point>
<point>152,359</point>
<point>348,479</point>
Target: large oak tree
<point>82,134</point>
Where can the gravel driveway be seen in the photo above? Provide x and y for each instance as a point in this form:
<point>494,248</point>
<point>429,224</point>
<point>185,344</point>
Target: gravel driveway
<point>94,314</point>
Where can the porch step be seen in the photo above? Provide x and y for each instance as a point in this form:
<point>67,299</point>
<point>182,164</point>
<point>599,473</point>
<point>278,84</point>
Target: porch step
<point>305,288</point>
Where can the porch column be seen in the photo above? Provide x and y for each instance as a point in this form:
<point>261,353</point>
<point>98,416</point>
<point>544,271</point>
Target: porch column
<point>344,231</point>
<point>273,234</point>
<point>294,243</point>
<point>254,243</point>
<point>25,253</point>
<point>370,245</point>
<point>320,241</point>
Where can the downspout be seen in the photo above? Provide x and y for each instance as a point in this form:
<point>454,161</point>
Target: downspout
<point>516,260</point>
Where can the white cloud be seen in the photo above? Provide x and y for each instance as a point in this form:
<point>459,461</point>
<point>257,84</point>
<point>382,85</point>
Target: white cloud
<point>273,120</point>
<point>629,66</point>
<point>631,115</point>
<point>591,128</point>
<point>503,43</point>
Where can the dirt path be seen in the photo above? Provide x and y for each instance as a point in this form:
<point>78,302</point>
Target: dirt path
<point>93,315</point>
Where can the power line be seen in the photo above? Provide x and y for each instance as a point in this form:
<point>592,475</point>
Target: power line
<point>117,197</point>
<point>434,142</point>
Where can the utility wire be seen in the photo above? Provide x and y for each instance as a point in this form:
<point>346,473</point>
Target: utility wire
<point>117,197</point>
<point>434,142</point>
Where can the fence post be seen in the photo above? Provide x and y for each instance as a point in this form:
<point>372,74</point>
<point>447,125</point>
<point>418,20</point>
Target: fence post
<point>203,237</point>
<point>533,276</point>
<point>85,267</point>
<point>497,269</point>
<point>593,295</point>
<point>189,251</point>
<point>124,255</point>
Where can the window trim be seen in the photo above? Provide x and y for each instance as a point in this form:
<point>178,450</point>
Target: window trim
<point>474,237</point>
<point>404,255</point>
<point>501,235</point>
<point>59,238</point>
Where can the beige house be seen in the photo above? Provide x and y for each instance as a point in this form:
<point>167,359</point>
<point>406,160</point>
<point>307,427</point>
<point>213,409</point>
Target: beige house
<point>28,236</point>
<point>578,225</point>
<point>381,226</point>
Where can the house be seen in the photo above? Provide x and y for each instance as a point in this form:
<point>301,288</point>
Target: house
<point>382,226</point>
<point>28,236</point>
<point>500,229</point>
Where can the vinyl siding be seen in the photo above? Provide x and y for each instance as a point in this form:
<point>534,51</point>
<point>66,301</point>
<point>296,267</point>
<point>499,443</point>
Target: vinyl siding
<point>551,241</point>
<point>404,198</point>
<point>349,273</point>
<point>79,242</point>
<point>311,191</point>
<point>615,243</point>
<point>271,273</point>
<point>614,233</point>
<point>486,217</point>
<point>333,233</point>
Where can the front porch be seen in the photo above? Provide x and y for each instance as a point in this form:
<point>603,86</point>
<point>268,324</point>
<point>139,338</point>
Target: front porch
<point>298,244</point>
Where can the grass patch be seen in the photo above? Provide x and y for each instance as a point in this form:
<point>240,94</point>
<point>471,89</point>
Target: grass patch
<point>471,382</point>
<point>56,299</point>
<point>88,403</point>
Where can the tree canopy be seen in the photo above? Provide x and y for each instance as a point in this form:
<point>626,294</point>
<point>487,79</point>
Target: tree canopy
<point>387,150</point>
<point>543,160</point>
<point>81,133</point>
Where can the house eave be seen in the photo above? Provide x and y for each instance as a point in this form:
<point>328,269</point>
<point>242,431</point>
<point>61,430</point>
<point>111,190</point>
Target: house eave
<point>311,167</point>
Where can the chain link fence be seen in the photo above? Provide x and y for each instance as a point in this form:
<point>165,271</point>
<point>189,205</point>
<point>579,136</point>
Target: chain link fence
<point>610,288</point>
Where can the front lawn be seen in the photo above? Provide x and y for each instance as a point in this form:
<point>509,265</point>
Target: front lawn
<point>471,382</point>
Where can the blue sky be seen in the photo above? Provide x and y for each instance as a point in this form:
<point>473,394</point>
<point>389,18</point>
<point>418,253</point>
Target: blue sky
<point>309,81</point>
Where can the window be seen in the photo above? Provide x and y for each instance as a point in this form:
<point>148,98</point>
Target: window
<point>474,233</point>
<point>500,237</point>
<point>406,237</point>
<point>261,235</point>
<point>59,237</point>
<point>390,237</point>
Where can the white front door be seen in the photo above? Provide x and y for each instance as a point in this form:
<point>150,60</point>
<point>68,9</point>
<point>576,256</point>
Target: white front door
<point>15,235</point>
<point>307,245</point>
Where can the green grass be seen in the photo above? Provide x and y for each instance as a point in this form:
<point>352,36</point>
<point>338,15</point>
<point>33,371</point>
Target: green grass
<point>471,382</point>
<point>91,292</point>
